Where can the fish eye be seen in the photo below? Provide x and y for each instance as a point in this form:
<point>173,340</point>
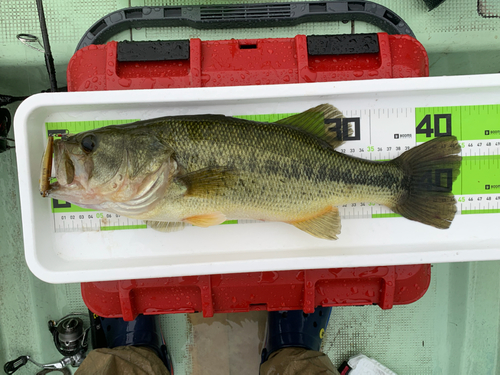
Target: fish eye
<point>89,143</point>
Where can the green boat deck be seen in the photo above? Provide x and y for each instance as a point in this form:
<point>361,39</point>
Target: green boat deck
<point>453,329</point>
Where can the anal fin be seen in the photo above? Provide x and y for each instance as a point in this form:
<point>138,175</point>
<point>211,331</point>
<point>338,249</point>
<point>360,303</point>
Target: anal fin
<point>325,225</point>
<point>206,220</point>
<point>166,226</point>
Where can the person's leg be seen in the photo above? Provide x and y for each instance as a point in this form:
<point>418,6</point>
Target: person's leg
<point>293,342</point>
<point>295,361</point>
<point>135,347</point>
<point>130,360</point>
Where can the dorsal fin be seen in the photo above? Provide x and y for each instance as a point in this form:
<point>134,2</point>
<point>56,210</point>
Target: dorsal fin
<point>314,121</point>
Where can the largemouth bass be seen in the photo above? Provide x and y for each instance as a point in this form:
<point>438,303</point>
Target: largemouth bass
<point>205,169</point>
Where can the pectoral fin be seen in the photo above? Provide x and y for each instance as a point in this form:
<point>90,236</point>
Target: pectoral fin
<point>206,220</point>
<point>208,181</point>
<point>325,225</point>
<point>166,226</point>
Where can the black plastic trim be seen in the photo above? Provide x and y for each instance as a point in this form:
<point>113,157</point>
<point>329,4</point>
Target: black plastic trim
<point>153,51</point>
<point>244,16</point>
<point>346,44</point>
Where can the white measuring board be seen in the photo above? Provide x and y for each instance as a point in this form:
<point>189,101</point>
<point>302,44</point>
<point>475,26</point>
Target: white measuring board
<point>379,134</point>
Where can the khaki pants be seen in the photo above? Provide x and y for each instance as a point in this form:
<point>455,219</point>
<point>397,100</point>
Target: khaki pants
<point>295,361</point>
<point>130,360</point>
<point>123,360</point>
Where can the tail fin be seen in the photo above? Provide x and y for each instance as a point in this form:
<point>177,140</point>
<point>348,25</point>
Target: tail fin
<point>431,169</point>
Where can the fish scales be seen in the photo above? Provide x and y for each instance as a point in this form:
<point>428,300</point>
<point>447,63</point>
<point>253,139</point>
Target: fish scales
<point>204,169</point>
<point>284,174</point>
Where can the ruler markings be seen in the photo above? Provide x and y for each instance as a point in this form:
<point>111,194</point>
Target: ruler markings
<point>391,131</point>
<point>370,127</point>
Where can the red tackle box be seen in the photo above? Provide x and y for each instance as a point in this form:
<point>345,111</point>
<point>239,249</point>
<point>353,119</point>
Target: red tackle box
<point>196,63</point>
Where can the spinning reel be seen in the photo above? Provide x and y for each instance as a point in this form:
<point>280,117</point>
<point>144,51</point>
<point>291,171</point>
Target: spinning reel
<point>70,338</point>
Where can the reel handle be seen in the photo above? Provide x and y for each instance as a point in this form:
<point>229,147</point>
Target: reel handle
<point>13,366</point>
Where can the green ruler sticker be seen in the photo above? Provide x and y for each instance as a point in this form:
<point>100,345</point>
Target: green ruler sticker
<point>437,121</point>
<point>74,127</point>
<point>478,175</point>
<point>478,130</point>
<point>121,227</point>
<point>480,122</point>
<point>475,122</point>
<point>266,118</point>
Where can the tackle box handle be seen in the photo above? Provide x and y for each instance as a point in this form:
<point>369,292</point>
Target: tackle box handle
<point>244,16</point>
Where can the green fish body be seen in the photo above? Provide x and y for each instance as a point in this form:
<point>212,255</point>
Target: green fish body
<point>205,169</point>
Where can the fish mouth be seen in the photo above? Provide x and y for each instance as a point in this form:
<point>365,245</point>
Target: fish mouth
<point>65,169</point>
<point>63,165</point>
